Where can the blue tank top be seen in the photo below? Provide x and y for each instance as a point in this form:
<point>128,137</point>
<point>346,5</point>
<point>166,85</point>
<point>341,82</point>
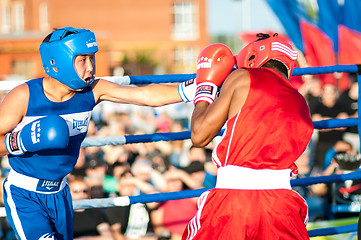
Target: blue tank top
<point>54,164</point>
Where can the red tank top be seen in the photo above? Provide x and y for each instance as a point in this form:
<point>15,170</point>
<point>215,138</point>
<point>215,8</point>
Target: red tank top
<point>271,130</point>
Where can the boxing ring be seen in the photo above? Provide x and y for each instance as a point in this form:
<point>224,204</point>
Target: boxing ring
<point>175,136</point>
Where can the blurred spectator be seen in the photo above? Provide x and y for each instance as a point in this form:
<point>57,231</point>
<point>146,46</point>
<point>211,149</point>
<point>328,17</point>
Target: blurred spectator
<point>94,176</point>
<point>106,110</point>
<point>209,167</point>
<point>111,180</point>
<point>180,112</point>
<point>118,153</point>
<point>197,154</point>
<point>142,169</point>
<point>178,147</point>
<point>195,170</point>
<point>189,176</point>
<point>341,146</point>
<point>159,161</point>
<point>312,90</point>
<point>303,170</point>
<point>88,223</point>
<point>143,119</point>
<point>163,122</point>
<point>200,167</point>
<point>142,149</point>
<point>341,196</point>
<point>314,202</point>
<point>328,108</point>
<point>210,177</point>
<point>171,217</point>
<point>80,166</point>
<point>119,168</point>
<point>5,166</point>
<point>92,129</point>
<point>349,100</point>
<point>132,222</point>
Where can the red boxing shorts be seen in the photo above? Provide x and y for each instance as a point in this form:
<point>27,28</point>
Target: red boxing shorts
<point>249,214</point>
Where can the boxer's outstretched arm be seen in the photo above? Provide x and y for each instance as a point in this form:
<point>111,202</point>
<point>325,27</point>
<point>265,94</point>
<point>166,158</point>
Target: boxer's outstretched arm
<point>150,95</point>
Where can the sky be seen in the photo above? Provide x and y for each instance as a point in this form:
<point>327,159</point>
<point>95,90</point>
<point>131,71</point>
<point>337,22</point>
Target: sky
<point>234,16</point>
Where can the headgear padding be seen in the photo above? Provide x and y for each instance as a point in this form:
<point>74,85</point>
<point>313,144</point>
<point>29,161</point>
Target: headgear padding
<point>266,48</point>
<point>58,54</point>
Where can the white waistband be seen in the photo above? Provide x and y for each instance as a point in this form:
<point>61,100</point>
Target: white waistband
<point>235,177</point>
<point>34,184</point>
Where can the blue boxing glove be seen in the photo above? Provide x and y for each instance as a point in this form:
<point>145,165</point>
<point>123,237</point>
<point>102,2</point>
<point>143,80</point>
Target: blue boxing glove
<point>49,132</point>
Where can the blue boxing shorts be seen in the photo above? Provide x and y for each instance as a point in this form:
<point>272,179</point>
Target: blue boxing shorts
<point>38,209</point>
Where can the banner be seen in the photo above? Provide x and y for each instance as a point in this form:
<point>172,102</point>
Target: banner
<point>318,49</point>
<point>349,46</point>
<point>289,12</point>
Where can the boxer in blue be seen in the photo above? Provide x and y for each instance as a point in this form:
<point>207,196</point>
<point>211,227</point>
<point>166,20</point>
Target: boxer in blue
<point>43,123</point>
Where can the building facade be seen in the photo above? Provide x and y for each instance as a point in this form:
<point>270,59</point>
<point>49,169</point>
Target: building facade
<point>135,37</point>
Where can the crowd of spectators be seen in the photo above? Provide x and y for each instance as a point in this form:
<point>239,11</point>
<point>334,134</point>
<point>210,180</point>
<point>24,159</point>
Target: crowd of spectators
<point>331,151</point>
<point>145,168</point>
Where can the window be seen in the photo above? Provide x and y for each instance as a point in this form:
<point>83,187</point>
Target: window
<point>43,17</point>
<point>5,19</point>
<point>185,58</point>
<point>18,17</point>
<point>185,21</point>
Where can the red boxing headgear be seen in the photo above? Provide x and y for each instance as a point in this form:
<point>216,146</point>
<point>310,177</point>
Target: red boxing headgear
<point>266,48</point>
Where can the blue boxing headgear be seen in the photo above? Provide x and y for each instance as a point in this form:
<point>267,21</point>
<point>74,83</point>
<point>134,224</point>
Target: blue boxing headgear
<point>58,54</point>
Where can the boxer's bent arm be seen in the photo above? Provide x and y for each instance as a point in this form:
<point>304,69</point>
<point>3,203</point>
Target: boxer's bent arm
<point>12,110</point>
<point>150,95</point>
<point>208,119</point>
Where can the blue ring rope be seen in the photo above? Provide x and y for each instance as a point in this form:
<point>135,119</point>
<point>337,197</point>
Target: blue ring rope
<point>173,78</point>
<point>145,138</point>
<point>161,197</point>
<point>174,136</point>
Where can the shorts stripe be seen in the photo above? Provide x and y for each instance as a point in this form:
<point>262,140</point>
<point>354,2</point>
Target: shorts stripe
<point>14,215</point>
<point>231,138</point>
<point>306,219</point>
<point>195,224</point>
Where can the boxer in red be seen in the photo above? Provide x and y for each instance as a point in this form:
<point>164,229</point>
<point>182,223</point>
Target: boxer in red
<point>268,126</point>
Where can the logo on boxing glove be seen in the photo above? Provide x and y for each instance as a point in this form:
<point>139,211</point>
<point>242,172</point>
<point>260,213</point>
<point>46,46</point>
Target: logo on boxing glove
<point>205,89</point>
<point>204,62</point>
<point>14,146</point>
<point>35,132</point>
<point>188,82</point>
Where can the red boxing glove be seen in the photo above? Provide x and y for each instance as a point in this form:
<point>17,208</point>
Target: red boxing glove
<point>215,62</point>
